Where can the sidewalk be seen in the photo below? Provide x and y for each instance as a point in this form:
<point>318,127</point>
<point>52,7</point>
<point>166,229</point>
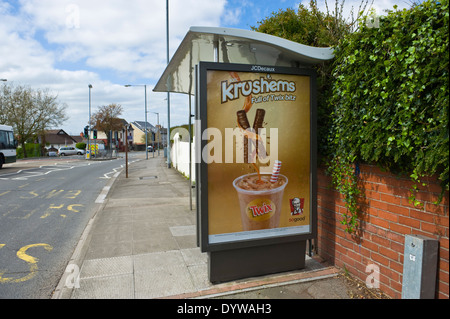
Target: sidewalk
<point>141,244</point>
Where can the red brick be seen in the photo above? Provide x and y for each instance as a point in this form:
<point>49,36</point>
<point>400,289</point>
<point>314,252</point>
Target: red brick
<point>443,288</point>
<point>409,222</point>
<point>390,199</point>
<point>432,228</point>
<point>365,252</point>
<point>379,205</point>
<point>348,261</point>
<point>443,265</point>
<point>436,209</point>
<point>389,253</point>
<point>397,289</point>
<point>379,222</point>
<point>392,275</point>
<point>382,241</point>
<point>398,183</point>
<point>353,255</point>
<point>370,245</point>
<point>400,229</point>
<point>373,178</point>
<point>426,196</point>
<point>397,266</point>
<point>397,247</point>
<point>444,243</point>
<point>370,194</point>
<point>443,276</point>
<point>398,209</point>
<point>388,216</point>
<point>380,259</point>
<point>396,238</point>
<point>421,215</point>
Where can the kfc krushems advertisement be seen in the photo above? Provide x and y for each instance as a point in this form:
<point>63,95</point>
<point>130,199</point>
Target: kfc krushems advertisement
<point>257,153</point>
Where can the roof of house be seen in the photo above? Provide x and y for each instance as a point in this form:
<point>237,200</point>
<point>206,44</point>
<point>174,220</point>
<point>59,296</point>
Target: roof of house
<point>58,137</point>
<point>77,138</point>
<point>141,126</point>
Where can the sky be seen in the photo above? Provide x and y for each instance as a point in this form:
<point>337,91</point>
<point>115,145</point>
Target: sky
<point>65,45</point>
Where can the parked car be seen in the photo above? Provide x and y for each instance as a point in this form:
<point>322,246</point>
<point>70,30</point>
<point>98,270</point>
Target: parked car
<point>150,148</point>
<point>52,153</point>
<point>69,150</point>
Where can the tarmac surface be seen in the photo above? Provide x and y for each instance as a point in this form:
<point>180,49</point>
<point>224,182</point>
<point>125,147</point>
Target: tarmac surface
<point>141,244</point>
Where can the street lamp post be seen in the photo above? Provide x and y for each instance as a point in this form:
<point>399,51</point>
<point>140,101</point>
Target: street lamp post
<point>159,136</point>
<point>89,122</point>
<point>168,93</point>
<point>145,125</point>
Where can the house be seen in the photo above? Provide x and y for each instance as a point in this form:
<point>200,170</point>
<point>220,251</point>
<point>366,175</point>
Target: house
<point>77,138</point>
<point>162,139</point>
<point>113,139</point>
<point>54,139</point>
<point>139,128</point>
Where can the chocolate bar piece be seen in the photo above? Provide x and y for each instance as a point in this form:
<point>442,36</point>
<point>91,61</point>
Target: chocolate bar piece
<point>257,124</point>
<point>243,122</point>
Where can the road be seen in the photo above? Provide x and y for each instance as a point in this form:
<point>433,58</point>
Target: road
<point>44,208</point>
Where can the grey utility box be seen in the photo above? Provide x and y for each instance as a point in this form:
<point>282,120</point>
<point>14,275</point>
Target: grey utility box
<point>419,267</point>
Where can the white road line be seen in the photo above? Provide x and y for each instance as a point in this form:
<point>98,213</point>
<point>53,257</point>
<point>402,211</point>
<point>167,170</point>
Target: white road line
<point>101,198</point>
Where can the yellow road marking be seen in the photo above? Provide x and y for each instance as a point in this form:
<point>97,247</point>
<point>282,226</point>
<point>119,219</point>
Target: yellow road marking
<point>32,193</point>
<point>54,193</point>
<point>73,193</point>
<point>71,208</point>
<point>22,254</point>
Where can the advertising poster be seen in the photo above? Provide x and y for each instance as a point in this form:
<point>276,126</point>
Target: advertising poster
<point>257,153</point>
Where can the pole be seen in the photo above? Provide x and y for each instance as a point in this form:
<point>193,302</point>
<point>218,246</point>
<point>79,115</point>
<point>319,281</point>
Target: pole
<point>145,125</point>
<point>126,151</point>
<point>159,134</point>
<point>190,152</point>
<point>89,122</point>
<point>146,133</point>
<point>168,94</point>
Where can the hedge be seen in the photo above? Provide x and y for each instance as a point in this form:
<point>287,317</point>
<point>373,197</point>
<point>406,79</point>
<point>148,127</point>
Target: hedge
<point>390,97</point>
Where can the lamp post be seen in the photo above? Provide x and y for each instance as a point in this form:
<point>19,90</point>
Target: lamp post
<point>145,125</point>
<point>159,136</point>
<point>89,122</point>
<point>168,93</point>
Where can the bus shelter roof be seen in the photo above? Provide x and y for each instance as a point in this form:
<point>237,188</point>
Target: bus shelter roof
<point>213,44</point>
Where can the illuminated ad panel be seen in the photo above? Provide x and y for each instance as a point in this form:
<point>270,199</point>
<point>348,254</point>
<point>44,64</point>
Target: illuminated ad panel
<point>256,152</point>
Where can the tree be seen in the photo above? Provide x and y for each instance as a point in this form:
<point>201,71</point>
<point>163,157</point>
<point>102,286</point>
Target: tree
<point>312,27</point>
<point>107,119</point>
<point>29,111</point>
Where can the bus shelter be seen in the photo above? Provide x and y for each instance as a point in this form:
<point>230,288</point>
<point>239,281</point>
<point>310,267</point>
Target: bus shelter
<point>256,146</point>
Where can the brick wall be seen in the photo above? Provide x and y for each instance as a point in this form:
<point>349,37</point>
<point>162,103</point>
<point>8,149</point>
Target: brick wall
<point>387,216</point>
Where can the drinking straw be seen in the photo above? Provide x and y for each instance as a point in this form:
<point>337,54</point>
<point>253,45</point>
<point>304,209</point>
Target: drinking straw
<point>275,171</point>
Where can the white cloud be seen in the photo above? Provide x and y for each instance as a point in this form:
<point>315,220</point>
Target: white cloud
<point>65,45</point>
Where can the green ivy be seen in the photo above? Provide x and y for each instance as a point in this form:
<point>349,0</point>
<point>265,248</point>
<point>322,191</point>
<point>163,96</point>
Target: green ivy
<point>390,97</point>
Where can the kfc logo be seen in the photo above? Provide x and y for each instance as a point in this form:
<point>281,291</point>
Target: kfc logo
<point>297,205</point>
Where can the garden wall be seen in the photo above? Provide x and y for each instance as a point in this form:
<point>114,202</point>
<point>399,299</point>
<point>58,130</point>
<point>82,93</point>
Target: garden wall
<point>387,216</point>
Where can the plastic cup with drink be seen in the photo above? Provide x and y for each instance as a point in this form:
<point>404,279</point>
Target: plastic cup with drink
<point>260,198</point>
